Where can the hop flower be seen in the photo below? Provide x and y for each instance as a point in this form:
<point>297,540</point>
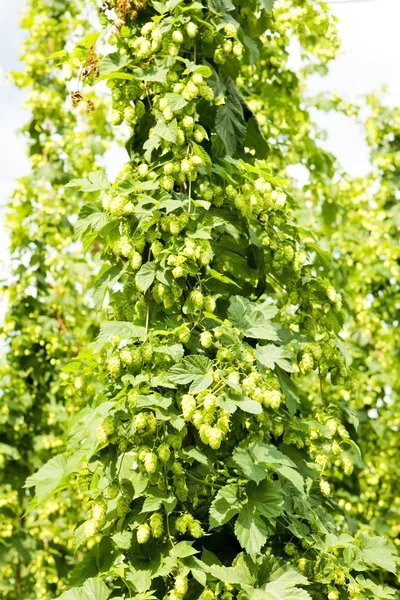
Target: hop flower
<point>123,504</point>
<point>188,406</point>
<point>116,206</point>
<point>90,529</point>
<point>187,122</point>
<point>181,585</point>
<point>302,564</point>
<point>177,36</point>
<point>156,525</point>
<point>272,399</point>
<point>325,487</point>
<point>181,524</point>
<point>214,437</point>
<point>348,466</point>
<point>181,488</point>
<point>117,116</point>
<point>167,183</point>
<point>136,261</point>
<point>142,170</point>
<point>150,462</point>
<point>184,334</point>
<point>210,401</point>
<point>195,529</point>
<point>191,29</point>
<point>133,397</point>
<point>101,435</point>
<point>147,352</point>
<point>140,422</point>
<point>290,549</point>
<point>109,425</point>
<point>197,299</point>
<point>143,533</point>
<point>209,304</point>
<point>164,453</point>
<point>237,50</point>
<point>130,114</point>
<point>206,339</point>
<point>113,491</point>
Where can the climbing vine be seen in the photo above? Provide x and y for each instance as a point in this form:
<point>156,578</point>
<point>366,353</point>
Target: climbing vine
<point>48,318</point>
<point>204,460</point>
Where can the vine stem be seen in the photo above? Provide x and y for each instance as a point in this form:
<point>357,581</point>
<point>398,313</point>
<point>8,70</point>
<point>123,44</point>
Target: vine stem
<point>190,197</point>
<point>203,482</point>
<point>168,529</point>
<point>147,316</point>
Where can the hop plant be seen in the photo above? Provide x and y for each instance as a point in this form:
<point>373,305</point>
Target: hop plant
<point>123,505</point>
<point>143,534</point>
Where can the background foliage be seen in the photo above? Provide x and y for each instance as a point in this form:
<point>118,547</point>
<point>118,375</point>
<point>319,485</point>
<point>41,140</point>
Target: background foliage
<point>232,432</point>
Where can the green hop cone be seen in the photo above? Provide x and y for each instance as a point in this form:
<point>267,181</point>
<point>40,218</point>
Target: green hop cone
<point>150,462</point>
<point>188,403</point>
<point>109,425</point>
<point>181,585</point>
<point>156,525</point>
<point>101,435</point>
<point>112,491</point>
<point>143,534</point>
<point>164,453</point>
<point>114,366</point>
<point>206,339</point>
<point>123,504</point>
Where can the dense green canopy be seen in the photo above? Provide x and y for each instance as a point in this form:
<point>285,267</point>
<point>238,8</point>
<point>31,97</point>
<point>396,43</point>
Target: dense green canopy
<point>200,393</point>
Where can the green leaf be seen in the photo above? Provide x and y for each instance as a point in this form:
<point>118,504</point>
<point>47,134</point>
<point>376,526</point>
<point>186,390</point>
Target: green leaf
<point>290,390</point>
<point>196,370</point>
<point>271,355</point>
<point>266,498</point>
<point>284,586</point>
<point>268,5</point>
<point>116,75</point>
<point>123,329</point>
<point>167,131</point>
<point>324,256</point>
<point>221,277</point>
<point>153,501</point>
<point>182,550</point>
<point>248,467</point>
<point>220,6</point>
<point>254,135</point>
<point>146,275</point>
<point>90,217</point>
<point>152,143</point>
<point>175,101</point>
<point>94,588</point>
<point>250,530</point>
<point>49,478</point>
<point>195,454</point>
<point>269,456</point>
<point>158,74</point>
<point>140,577</point>
<point>9,451</point>
<point>96,181</point>
<point>202,70</point>
<point>378,551</point>
<point>113,62</point>
<point>224,506</point>
<point>252,318</point>
<point>230,124</point>
<point>237,575</point>
<point>175,351</point>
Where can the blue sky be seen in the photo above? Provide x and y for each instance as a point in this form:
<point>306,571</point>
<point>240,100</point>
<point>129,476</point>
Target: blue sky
<point>370,57</point>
